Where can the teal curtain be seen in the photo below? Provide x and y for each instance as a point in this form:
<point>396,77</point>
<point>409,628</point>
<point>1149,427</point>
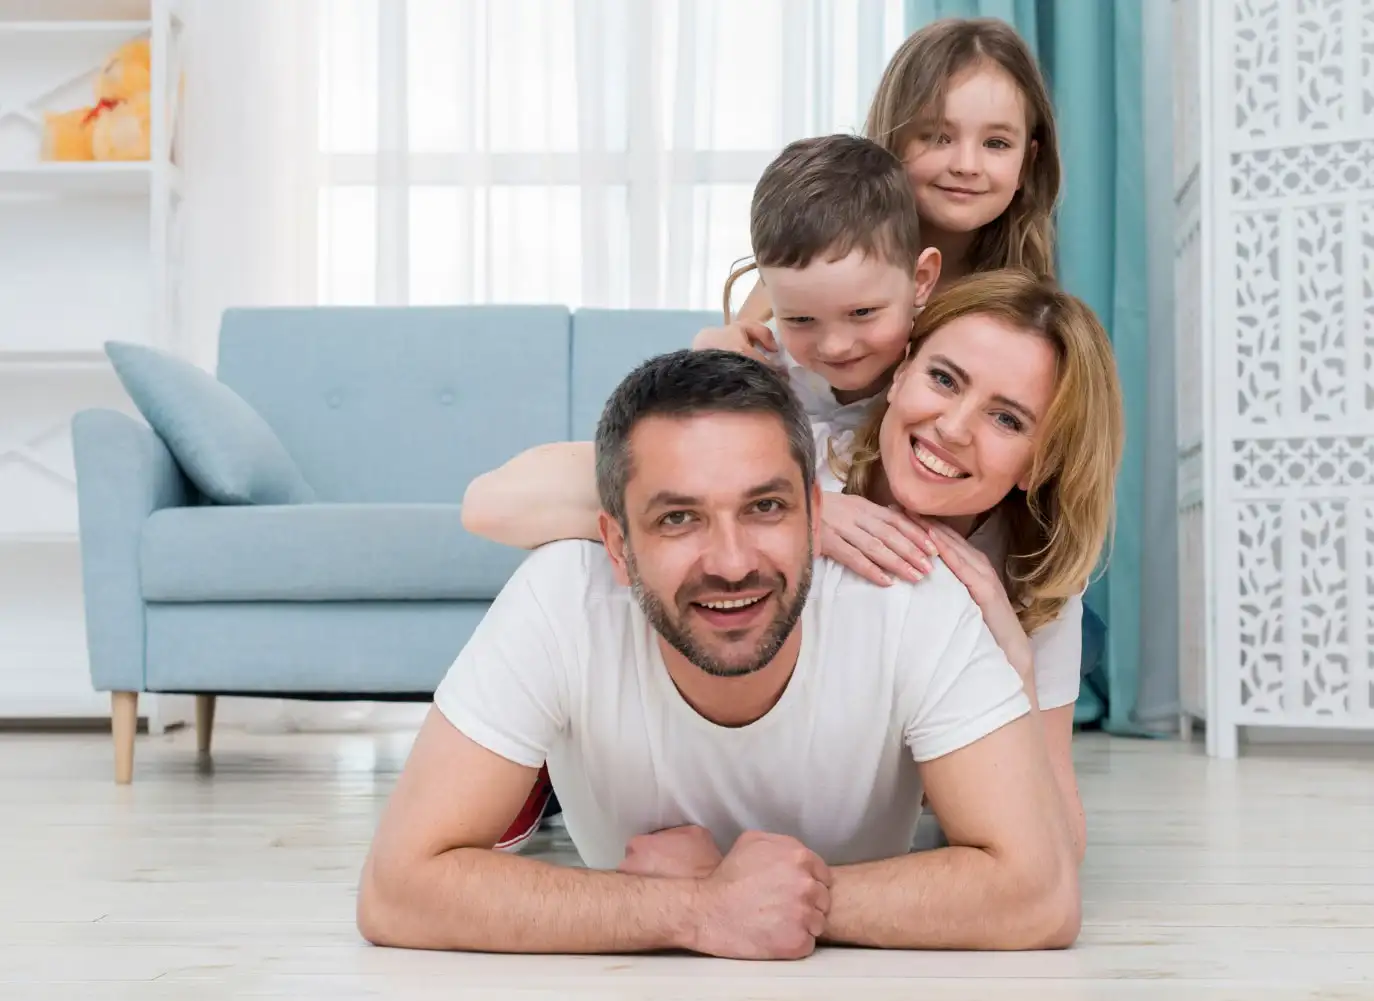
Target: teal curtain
<point>1090,52</point>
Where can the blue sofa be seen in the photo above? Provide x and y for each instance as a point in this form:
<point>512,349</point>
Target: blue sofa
<point>369,590</point>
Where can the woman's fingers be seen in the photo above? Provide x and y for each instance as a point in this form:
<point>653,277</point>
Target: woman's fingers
<point>919,534</point>
<point>886,545</point>
<point>842,551</point>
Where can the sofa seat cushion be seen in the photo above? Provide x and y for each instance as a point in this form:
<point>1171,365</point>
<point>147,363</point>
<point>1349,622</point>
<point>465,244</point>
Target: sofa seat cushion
<point>319,552</point>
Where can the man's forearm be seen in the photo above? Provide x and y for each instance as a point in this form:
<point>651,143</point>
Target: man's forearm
<point>478,900</point>
<point>952,898</point>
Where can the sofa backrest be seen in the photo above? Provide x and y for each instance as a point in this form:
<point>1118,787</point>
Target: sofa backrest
<point>401,403</point>
<point>608,343</point>
<point>410,403</point>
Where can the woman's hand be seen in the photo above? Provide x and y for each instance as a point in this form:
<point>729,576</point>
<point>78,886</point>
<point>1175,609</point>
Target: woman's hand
<point>677,852</point>
<point>745,337</point>
<point>873,541</point>
<point>985,586</point>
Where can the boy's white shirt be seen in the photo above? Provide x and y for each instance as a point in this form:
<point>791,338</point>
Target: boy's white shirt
<point>833,424</point>
<point>1057,646</point>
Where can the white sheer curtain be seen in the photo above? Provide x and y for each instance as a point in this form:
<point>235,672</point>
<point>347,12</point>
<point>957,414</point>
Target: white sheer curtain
<point>584,152</point>
<point>581,152</point>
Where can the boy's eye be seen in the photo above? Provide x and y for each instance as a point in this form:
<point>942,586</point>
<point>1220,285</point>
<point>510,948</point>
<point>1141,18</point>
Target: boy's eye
<point>865,310</point>
<point>796,319</point>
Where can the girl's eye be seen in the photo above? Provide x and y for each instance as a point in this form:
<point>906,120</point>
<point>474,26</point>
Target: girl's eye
<point>797,319</point>
<point>865,310</point>
<point>999,144</point>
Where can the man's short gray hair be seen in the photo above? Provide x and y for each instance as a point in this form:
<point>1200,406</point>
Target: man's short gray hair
<point>686,383</point>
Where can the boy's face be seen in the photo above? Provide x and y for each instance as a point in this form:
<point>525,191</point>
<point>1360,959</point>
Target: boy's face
<point>849,320</point>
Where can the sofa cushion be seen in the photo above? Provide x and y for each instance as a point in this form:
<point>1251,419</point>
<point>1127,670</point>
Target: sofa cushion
<point>319,552</point>
<point>222,444</point>
<point>349,648</point>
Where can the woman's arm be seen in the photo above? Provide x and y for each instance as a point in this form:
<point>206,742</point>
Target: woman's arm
<point>544,494</point>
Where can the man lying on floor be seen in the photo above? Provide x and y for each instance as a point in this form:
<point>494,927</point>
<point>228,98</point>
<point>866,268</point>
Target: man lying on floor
<point>740,736</point>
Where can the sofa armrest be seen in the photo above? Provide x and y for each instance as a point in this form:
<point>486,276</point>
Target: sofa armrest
<point>124,473</point>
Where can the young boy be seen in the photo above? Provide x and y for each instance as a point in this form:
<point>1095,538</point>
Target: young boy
<point>837,244</point>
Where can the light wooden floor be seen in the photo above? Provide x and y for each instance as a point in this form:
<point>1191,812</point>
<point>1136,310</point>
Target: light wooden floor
<point>1244,880</point>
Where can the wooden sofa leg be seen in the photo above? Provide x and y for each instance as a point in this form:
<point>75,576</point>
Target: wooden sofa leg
<point>205,722</point>
<point>124,724</point>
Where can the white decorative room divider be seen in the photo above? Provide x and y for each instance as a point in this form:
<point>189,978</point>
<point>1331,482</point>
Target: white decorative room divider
<point>1274,257</point>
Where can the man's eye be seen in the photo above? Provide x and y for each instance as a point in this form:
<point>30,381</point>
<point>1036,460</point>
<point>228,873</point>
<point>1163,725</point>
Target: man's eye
<point>675,519</point>
<point>770,505</point>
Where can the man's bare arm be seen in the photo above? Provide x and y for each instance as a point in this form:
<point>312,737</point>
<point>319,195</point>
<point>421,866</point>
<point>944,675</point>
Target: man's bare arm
<point>1008,881</point>
<point>1057,726</point>
<point>544,494</point>
<point>431,880</point>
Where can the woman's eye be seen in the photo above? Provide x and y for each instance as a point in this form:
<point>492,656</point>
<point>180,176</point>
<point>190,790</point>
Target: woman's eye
<point>1009,422</point>
<point>941,378</point>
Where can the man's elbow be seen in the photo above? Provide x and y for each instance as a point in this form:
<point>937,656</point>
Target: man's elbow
<point>1056,915</point>
<point>377,911</point>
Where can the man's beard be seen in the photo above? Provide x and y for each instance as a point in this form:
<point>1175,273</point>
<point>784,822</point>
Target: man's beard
<point>675,630</point>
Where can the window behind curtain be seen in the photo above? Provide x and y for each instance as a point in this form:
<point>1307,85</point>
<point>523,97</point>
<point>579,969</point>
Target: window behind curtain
<point>582,152</point>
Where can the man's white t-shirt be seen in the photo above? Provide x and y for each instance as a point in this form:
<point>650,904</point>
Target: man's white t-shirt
<point>564,669</point>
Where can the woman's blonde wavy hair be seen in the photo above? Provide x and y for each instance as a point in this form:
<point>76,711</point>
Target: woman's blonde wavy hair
<point>1059,526</point>
<point>909,103</point>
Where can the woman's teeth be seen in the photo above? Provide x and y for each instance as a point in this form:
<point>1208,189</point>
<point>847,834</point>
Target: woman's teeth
<point>937,465</point>
<point>724,606</point>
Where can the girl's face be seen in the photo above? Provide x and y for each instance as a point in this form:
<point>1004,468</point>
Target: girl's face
<point>965,174</point>
<point>964,417</point>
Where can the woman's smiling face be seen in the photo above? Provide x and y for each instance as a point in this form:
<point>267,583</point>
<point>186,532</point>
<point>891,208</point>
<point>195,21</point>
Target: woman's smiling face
<point>964,417</point>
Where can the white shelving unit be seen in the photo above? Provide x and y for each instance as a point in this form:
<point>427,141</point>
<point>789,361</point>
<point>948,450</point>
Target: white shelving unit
<point>89,252</point>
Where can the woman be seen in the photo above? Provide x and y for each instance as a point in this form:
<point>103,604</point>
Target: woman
<point>1001,434</point>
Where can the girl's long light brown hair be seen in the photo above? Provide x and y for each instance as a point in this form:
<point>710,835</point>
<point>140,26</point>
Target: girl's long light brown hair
<point>1059,526</point>
<point>909,103</point>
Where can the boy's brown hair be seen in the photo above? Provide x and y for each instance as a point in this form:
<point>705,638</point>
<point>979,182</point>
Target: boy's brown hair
<point>832,195</point>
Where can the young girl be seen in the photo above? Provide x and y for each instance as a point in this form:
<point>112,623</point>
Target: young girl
<point>963,105</point>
